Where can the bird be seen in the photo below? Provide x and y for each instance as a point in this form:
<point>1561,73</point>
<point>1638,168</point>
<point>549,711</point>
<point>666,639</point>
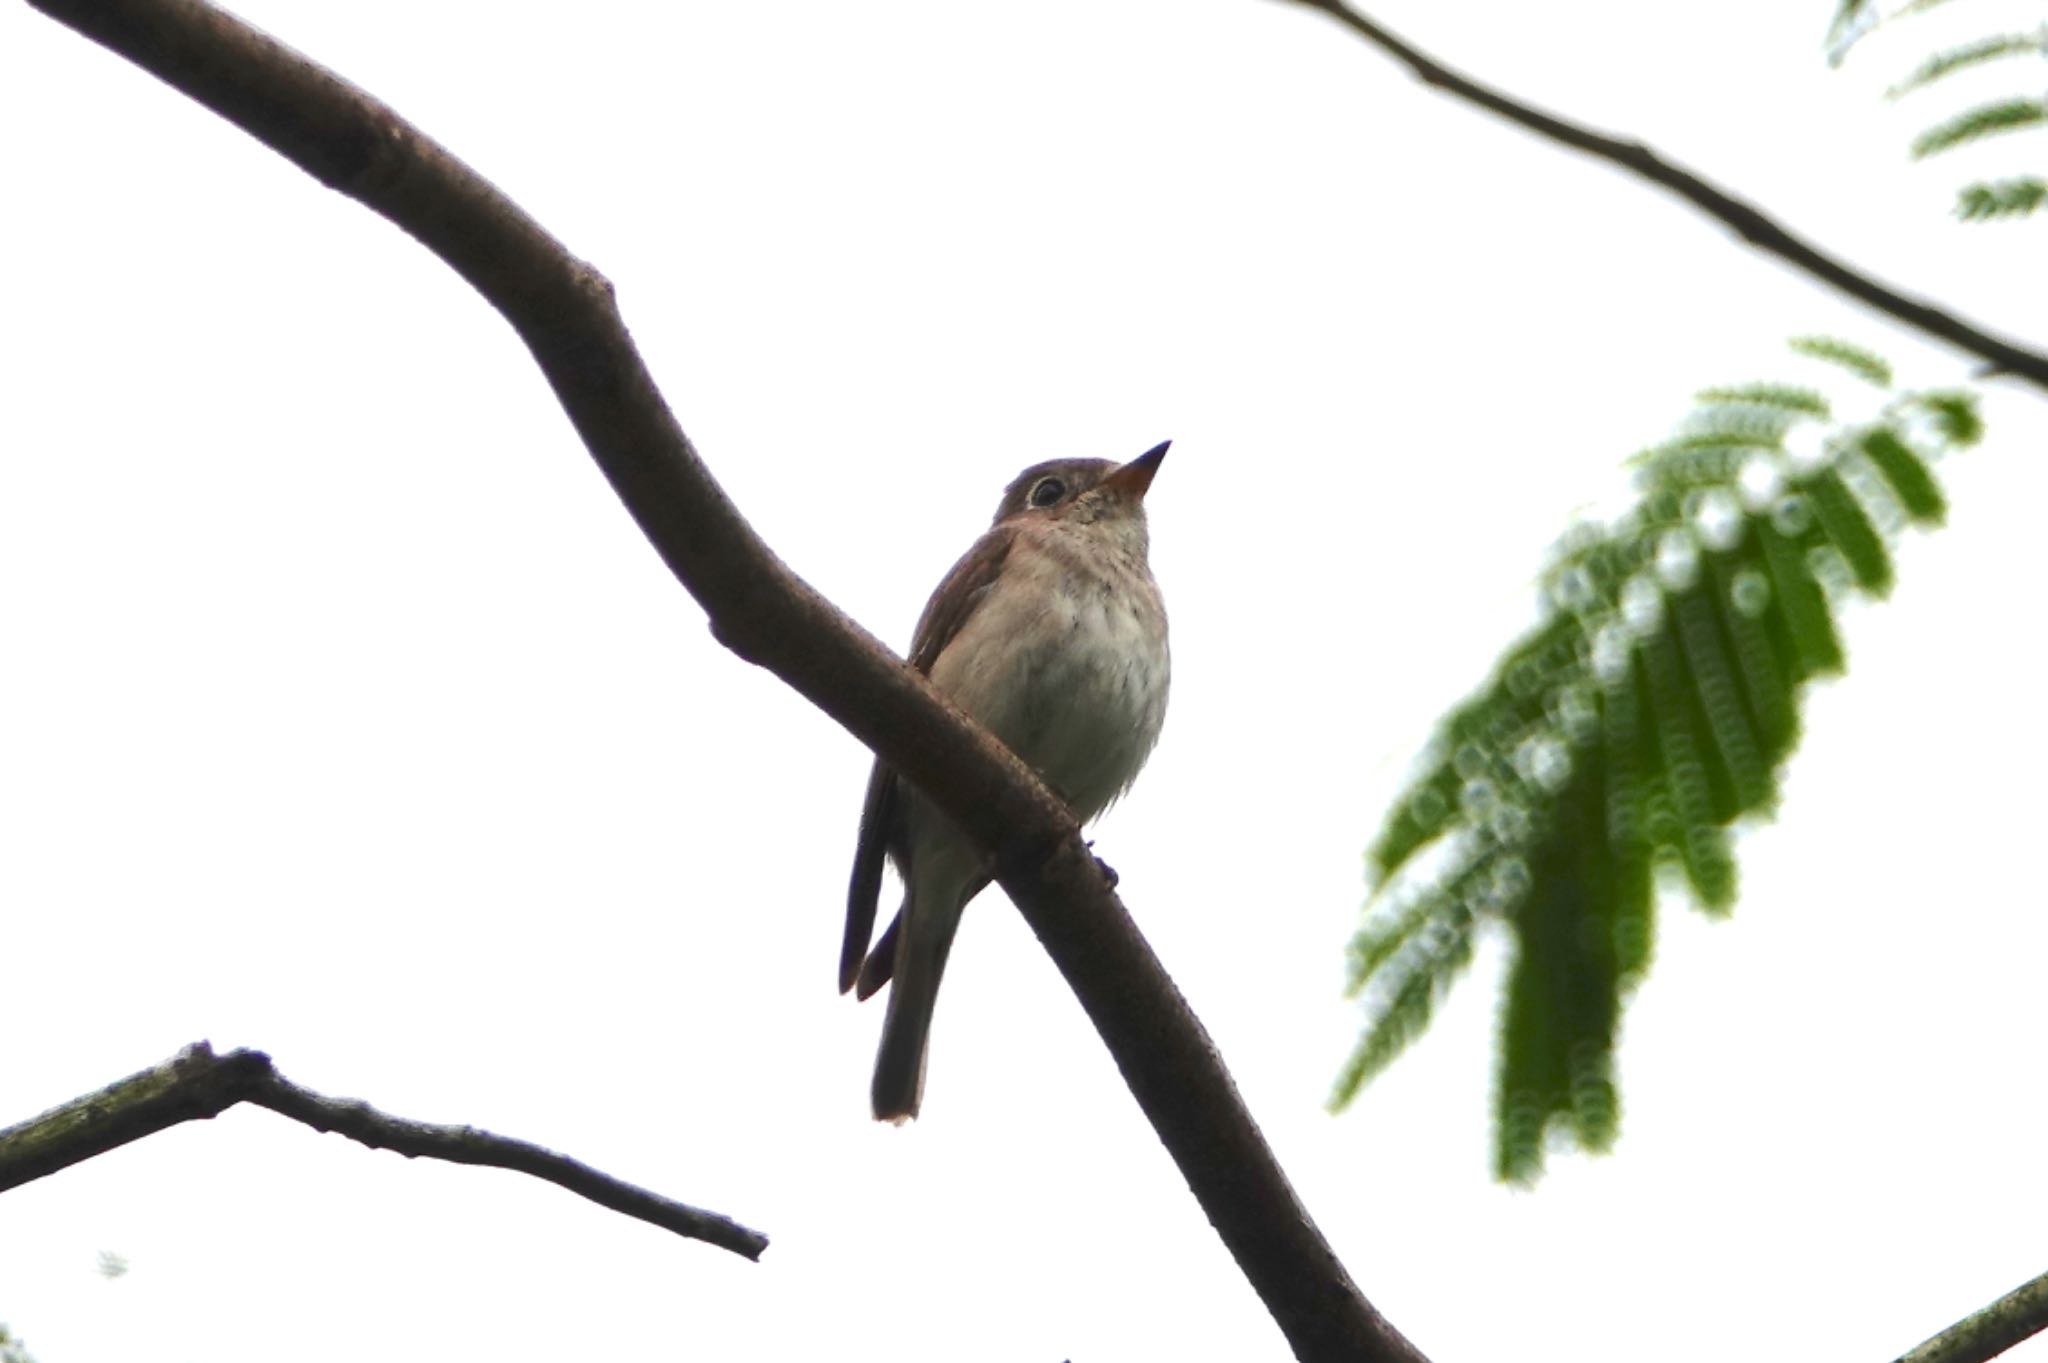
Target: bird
<point>1051,633</point>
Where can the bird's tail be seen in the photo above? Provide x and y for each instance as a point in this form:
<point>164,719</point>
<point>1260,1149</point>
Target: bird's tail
<point>921,951</point>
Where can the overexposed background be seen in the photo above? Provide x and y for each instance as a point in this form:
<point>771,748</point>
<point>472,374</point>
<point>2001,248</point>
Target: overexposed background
<point>345,714</point>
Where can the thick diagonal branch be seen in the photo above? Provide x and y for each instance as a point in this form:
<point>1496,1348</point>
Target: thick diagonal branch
<point>565,313</point>
<point>2020,1314</point>
<point>196,1084</point>
<point>1750,222</point>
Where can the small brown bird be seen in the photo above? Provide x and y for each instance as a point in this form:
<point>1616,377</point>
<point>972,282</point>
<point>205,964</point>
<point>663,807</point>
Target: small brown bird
<point>1050,632</point>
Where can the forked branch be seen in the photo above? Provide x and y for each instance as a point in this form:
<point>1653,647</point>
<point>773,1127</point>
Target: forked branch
<point>196,1084</point>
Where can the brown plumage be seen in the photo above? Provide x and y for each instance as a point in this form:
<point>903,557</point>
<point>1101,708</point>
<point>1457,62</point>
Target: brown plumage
<point>1062,654</point>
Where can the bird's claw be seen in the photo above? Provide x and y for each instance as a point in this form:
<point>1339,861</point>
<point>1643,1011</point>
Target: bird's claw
<point>1108,871</point>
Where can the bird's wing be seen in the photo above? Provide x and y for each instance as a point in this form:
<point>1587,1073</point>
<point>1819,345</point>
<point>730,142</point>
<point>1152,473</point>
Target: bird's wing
<point>881,814</point>
<point>959,596</point>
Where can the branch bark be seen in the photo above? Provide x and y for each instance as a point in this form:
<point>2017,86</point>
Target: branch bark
<point>565,313</point>
<point>197,1085</point>
<point>2018,1315</point>
<point>1759,229</point>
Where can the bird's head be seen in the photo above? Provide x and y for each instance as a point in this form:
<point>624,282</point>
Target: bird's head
<point>1081,489</point>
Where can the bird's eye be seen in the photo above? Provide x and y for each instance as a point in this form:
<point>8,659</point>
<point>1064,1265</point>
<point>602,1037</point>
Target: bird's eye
<point>1047,491</point>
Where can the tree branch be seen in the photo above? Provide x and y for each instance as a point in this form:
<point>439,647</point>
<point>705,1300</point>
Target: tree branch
<point>196,1085</point>
<point>1751,223</point>
<point>565,313</point>
<point>2020,1314</point>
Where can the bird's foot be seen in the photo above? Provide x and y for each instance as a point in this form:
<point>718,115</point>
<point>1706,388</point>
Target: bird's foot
<point>1108,871</point>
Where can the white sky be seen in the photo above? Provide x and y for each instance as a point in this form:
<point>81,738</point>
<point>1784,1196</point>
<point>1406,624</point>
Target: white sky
<point>346,715</point>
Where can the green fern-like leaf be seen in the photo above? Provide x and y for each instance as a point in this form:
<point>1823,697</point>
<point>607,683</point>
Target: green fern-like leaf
<point>1563,996</point>
<point>1967,56</point>
<point>1783,397</point>
<point>1951,414</point>
<point>1986,120</point>
<point>1867,365</point>
<point>1622,741</point>
<point>1988,199</point>
<point>1853,19</point>
<point>1906,474</point>
<point>12,1349</point>
<point>1847,527</point>
<point>1412,970</point>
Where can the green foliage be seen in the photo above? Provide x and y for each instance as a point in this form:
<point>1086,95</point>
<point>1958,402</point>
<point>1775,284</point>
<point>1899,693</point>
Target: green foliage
<point>1856,19</point>
<point>1867,365</point>
<point>2007,115</point>
<point>1853,19</point>
<point>2001,198</point>
<point>1968,55</point>
<point>1620,742</point>
<point>12,1350</point>
<point>1983,200</point>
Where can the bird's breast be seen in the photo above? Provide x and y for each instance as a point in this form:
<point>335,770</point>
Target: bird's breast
<point>1066,661</point>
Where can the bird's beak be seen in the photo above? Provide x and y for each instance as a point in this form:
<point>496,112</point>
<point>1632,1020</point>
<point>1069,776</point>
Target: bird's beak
<point>1133,478</point>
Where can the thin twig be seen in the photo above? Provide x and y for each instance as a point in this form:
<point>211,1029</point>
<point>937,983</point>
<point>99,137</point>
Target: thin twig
<point>195,1085</point>
<point>2020,1314</point>
<point>566,314</point>
<point>1751,223</point>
